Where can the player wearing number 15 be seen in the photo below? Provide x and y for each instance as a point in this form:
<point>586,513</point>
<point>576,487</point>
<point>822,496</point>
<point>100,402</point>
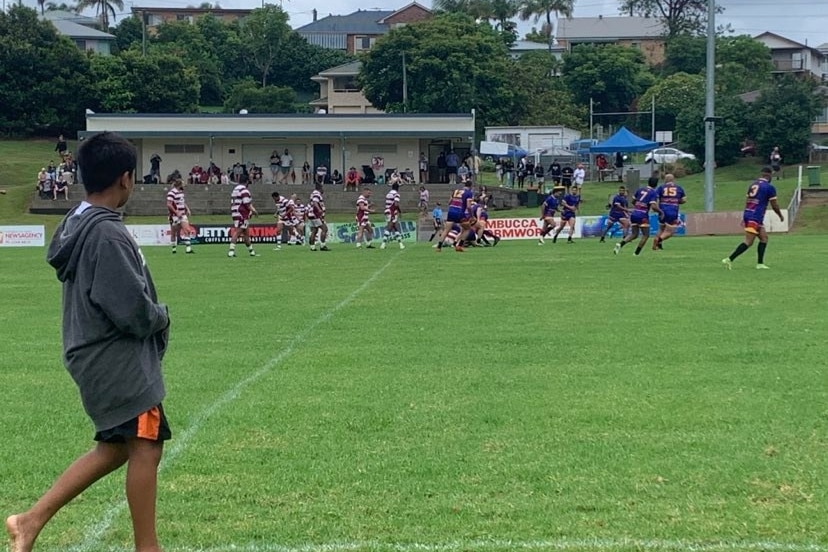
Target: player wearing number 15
<point>759,195</point>
<point>670,196</point>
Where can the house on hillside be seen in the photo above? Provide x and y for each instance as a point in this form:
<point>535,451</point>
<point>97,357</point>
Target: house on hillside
<point>339,91</point>
<point>643,33</point>
<point>521,47</point>
<point>154,16</point>
<point>791,57</point>
<point>358,31</point>
<point>81,30</point>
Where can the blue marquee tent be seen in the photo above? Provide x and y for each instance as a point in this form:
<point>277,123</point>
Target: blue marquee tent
<point>623,140</point>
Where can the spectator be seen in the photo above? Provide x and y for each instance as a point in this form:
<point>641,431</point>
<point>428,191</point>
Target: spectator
<point>579,175</point>
<point>306,173</point>
<point>237,173</point>
<point>775,159</point>
<point>336,178</point>
<point>286,167</point>
<point>521,171</point>
<point>462,172</point>
<point>422,165</point>
<point>619,166</point>
<point>44,185</point>
<point>395,178</point>
<point>601,164</point>
<point>61,146</point>
<point>452,165</point>
<point>155,168</point>
<point>256,174</point>
<point>51,171</point>
<point>275,160</point>
<point>321,174</point>
<point>539,176</point>
<point>422,204</point>
<point>566,176</point>
<point>441,167</point>
<point>352,179</point>
<point>475,166</point>
<point>60,187</point>
<point>195,174</point>
<point>555,173</point>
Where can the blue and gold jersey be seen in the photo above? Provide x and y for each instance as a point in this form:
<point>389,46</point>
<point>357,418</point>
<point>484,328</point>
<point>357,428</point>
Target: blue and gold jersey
<point>644,197</point>
<point>669,196</point>
<point>617,206</point>
<point>573,201</point>
<point>760,193</point>
<point>550,206</point>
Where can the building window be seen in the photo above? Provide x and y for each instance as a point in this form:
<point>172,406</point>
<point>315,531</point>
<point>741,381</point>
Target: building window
<point>80,43</point>
<point>183,148</point>
<point>184,17</point>
<point>345,84</point>
<point>362,43</point>
<point>636,45</point>
<point>797,62</point>
<point>154,20</point>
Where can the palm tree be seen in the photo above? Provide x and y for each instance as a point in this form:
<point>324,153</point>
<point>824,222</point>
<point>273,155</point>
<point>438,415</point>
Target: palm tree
<point>42,4</point>
<point>536,9</point>
<point>63,6</point>
<point>103,9</point>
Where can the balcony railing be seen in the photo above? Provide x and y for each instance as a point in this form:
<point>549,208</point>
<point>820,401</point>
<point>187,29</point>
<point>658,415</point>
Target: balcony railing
<point>789,64</point>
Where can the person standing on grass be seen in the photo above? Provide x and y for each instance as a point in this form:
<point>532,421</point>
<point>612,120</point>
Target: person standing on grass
<point>759,195</point>
<point>179,217</point>
<point>569,209</point>
<point>644,199</point>
<point>670,197</point>
<point>618,213</point>
<point>115,334</point>
<point>241,211</point>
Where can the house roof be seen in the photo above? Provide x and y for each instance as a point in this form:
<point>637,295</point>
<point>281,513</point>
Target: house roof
<point>193,10</point>
<point>607,28</point>
<point>528,45</point>
<point>359,22</point>
<point>345,70</point>
<point>778,42</point>
<point>55,15</point>
<point>73,30</point>
<point>411,5</point>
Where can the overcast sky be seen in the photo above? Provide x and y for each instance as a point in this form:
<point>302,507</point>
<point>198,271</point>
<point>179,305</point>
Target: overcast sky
<point>800,20</point>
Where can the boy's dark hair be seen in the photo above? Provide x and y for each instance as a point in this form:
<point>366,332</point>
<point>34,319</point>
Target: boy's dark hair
<point>102,159</point>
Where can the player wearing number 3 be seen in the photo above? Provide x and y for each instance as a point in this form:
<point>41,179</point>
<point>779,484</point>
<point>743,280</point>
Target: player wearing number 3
<point>670,196</point>
<point>759,195</point>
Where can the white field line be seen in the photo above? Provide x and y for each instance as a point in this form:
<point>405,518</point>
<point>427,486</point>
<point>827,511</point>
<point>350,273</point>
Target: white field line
<point>95,532</point>
<point>585,545</point>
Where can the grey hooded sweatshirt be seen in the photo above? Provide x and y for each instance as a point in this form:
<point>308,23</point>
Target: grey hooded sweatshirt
<point>114,330</point>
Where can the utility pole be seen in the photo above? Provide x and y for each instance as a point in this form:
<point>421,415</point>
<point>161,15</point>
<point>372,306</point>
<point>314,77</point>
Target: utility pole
<point>709,108</point>
<point>405,84</point>
<point>144,33</point>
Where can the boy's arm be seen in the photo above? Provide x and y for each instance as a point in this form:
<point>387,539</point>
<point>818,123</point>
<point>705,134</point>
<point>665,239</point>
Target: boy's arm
<point>119,289</point>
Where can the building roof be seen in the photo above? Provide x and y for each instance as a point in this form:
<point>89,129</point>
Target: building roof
<point>609,28</point>
<point>528,45</point>
<point>55,15</point>
<point>344,70</point>
<point>411,5</point>
<point>193,10</point>
<point>73,30</point>
<point>778,42</point>
<point>359,22</point>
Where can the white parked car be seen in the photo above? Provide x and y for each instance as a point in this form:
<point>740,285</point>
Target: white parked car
<point>667,155</point>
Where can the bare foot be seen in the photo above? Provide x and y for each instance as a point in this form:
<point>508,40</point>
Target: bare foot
<point>19,539</point>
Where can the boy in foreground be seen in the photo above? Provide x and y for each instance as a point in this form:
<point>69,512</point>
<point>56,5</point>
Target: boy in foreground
<point>114,337</point>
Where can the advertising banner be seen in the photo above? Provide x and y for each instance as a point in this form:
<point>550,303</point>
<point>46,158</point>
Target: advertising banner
<point>22,236</point>
<point>527,228</point>
<point>150,234</point>
<point>593,227</point>
<point>346,232</point>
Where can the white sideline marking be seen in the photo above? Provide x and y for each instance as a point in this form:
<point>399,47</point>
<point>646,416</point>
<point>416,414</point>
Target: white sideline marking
<point>94,533</point>
<point>601,545</point>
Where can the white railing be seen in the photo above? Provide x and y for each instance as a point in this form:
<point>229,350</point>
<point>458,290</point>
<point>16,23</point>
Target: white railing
<point>796,199</point>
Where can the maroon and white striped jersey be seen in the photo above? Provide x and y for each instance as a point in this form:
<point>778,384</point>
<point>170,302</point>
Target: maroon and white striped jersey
<point>176,204</point>
<point>240,200</point>
<point>284,209</point>
<point>362,209</point>
<point>392,202</point>
<point>316,209</point>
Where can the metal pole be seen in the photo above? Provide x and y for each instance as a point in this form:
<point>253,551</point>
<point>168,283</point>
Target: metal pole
<point>144,33</point>
<point>405,85</point>
<point>709,110</point>
<point>590,118</point>
<point>652,120</point>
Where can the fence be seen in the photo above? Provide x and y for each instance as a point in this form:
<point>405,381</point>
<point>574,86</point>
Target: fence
<point>796,199</point>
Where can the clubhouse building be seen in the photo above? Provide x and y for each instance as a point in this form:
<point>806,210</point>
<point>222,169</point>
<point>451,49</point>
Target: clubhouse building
<point>336,141</point>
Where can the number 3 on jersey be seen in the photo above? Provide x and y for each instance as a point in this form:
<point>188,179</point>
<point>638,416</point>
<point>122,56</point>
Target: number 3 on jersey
<point>753,190</point>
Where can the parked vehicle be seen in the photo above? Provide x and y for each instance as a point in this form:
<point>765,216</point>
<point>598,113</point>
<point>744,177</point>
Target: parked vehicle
<point>667,155</point>
<point>581,148</point>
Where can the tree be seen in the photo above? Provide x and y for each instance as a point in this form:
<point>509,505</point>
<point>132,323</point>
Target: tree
<point>186,41</point>
<point>536,9</point>
<point>129,32</point>
<point>103,9</point>
<point>255,99</point>
<point>544,100</point>
<point>111,90</point>
<point>730,129</point>
<point>672,95</point>
<point>299,61</point>
<point>161,83</point>
<point>264,33</point>
<point>685,53</point>
<point>742,64</point>
<point>51,6</point>
<point>613,76</point>
<point>453,66</point>
<point>499,12</point>
<point>783,114</point>
<point>46,79</point>
<point>680,16</point>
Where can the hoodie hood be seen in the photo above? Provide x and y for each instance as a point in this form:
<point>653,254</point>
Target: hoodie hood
<point>67,244</point>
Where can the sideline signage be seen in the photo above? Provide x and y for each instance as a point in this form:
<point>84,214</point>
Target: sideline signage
<point>22,236</point>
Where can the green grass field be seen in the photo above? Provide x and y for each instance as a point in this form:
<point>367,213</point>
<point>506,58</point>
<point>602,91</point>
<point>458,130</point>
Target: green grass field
<point>521,397</point>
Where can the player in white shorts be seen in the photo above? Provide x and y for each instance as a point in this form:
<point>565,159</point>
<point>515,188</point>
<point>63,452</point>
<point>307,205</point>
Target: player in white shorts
<point>316,219</point>
<point>365,230</point>
<point>179,214</point>
<point>392,217</point>
<point>241,210</point>
<point>284,218</point>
